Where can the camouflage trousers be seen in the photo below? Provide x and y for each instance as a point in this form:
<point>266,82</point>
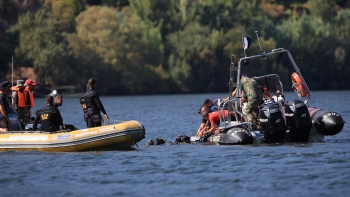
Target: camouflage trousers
<point>252,111</point>
<point>23,115</point>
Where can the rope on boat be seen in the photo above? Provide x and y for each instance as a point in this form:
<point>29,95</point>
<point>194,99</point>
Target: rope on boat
<point>110,121</point>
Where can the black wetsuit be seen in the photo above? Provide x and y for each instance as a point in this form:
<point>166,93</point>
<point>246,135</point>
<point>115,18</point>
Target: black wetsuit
<point>50,118</point>
<point>92,107</point>
<point>56,105</point>
<point>3,121</point>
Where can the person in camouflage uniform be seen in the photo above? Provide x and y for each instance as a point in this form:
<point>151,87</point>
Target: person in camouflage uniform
<point>253,93</point>
<point>22,112</point>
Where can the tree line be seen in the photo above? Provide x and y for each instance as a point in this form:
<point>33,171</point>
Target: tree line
<point>172,46</point>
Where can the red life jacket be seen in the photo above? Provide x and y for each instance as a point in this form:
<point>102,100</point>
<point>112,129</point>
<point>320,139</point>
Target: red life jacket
<point>31,96</point>
<point>21,100</point>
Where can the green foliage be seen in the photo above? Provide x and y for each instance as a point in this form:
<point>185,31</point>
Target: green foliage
<point>7,8</point>
<point>302,37</point>
<point>174,46</point>
<point>112,3</point>
<point>323,8</point>
<point>4,59</point>
<point>341,25</point>
<point>42,43</point>
<point>169,15</point>
<point>332,65</point>
<point>192,61</point>
<point>67,9</point>
<point>303,33</point>
<point>108,44</point>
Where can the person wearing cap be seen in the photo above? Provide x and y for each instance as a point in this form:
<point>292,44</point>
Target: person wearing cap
<point>92,105</point>
<point>4,107</point>
<point>49,116</point>
<point>30,85</point>
<point>253,94</point>
<point>20,103</point>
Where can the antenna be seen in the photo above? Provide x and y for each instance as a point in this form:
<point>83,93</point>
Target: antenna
<point>12,77</point>
<point>261,51</point>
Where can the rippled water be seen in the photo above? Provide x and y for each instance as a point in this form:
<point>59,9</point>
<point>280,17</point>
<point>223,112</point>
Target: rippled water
<point>317,169</point>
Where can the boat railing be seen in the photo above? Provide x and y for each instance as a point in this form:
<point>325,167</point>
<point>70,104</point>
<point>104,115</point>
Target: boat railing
<point>278,51</point>
<point>111,122</point>
<point>232,108</point>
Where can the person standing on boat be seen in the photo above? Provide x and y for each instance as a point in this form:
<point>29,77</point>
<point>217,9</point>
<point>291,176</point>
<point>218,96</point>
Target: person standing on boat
<point>254,96</point>
<point>4,107</point>
<point>58,100</point>
<point>92,105</point>
<point>20,102</point>
<point>49,116</point>
<point>30,85</point>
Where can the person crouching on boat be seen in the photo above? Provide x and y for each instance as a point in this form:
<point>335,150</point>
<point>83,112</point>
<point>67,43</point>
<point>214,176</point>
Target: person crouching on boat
<point>212,105</point>
<point>4,107</point>
<point>213,118</point>
<point>92,105</point>
<point>254,97</point>
<point>49,116</point>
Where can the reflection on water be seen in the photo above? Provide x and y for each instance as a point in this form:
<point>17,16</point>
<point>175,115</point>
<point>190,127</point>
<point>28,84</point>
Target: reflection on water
<point>293,169</point>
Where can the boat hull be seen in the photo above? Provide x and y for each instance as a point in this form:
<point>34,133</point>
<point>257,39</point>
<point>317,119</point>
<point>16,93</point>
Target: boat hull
<point>115,136</point>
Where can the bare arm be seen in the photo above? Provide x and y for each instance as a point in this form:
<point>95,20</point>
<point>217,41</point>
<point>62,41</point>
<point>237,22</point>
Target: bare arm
<point>234,93</point>
<point>201,127</point>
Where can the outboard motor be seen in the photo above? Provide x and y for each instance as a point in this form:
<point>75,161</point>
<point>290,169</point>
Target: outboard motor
<point>272,123</point>
<point>236,136</point>
<point>299,120</point>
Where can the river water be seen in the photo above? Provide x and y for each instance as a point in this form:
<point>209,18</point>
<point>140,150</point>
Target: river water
<point>295,169</point>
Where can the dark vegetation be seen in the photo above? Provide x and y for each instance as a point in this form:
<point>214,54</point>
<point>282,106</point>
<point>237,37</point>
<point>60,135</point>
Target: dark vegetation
<point>171,46</point>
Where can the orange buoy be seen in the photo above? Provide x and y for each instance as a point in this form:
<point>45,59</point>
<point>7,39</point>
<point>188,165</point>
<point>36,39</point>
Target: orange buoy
<point>299,85</point>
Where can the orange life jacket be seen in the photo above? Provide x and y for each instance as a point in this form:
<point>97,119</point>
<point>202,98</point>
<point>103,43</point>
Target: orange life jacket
<point>31,96</point>
<point>21,97</point>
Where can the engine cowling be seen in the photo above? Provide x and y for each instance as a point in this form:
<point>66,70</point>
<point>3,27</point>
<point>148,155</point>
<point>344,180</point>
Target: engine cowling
<point>272,123</point>
<point>298,120</point>
<point>236,136</point>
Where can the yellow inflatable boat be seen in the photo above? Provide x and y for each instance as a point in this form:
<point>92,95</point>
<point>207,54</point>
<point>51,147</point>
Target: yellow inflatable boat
<point>113,136</point>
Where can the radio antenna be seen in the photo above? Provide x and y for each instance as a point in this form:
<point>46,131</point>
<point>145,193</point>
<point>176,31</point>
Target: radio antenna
<point>261,51</point>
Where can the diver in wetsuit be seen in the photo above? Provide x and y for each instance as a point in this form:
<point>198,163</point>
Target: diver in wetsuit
<point>49,116</point>
<point>92,105</point>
